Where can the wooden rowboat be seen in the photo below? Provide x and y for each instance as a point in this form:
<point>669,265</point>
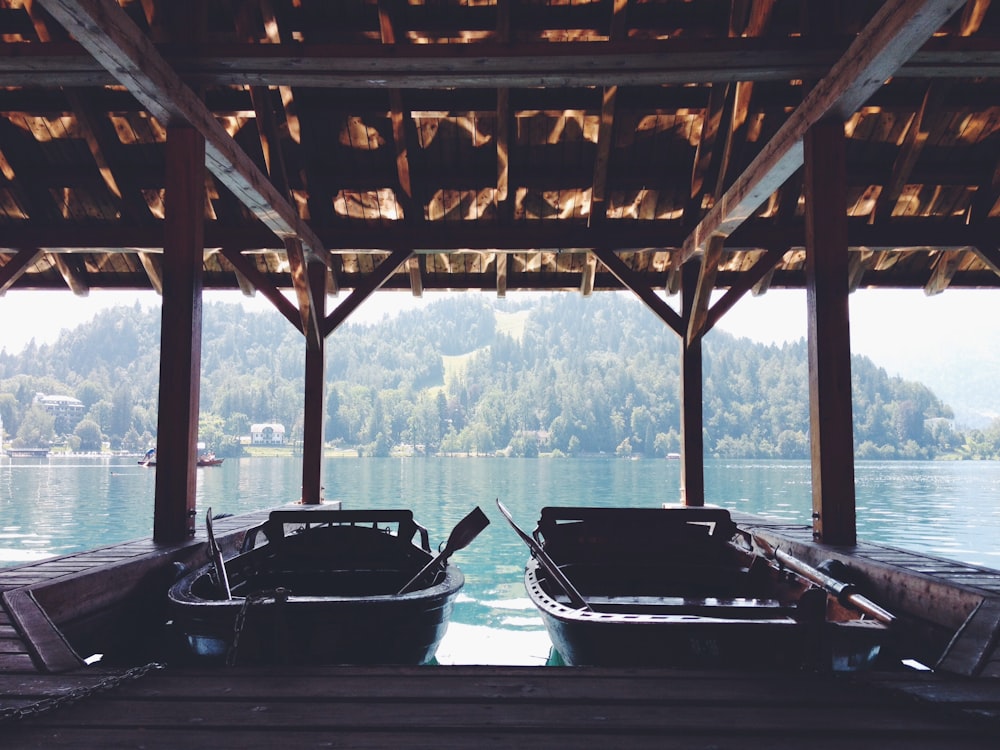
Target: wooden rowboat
<point>682,587</point>
<point>326,587</point>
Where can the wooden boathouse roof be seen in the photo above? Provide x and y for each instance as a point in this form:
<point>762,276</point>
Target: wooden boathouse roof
<point>497,144</point>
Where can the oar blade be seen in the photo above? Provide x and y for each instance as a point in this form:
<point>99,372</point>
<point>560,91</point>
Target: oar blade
<point>466,530</point>
<point>460,537</point>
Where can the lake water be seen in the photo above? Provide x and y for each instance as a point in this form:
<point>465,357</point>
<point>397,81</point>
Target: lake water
<point>64,504</point>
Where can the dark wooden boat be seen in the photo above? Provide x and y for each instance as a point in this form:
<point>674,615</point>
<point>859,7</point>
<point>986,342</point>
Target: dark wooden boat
<point>322,587</point>
<point>682,587</point>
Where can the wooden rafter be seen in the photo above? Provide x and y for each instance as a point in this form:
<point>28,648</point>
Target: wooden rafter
<point>12,270</point>
<point>898,28</point>
<point>703,290</point>
<point>748,282</point>
<point>973,15</point>
<point>249,271</point>
<point>73,274</point>
<point>389,29</point>
<point>364,290</point>
<point>947,264</point>
<point>630,281</point>
<point>515,65</point>
<point>110,36</point>
<point>154,270</point>
<point>309,306</point>
<point>98,134</point>
<point>589,274</point>
<point>504,199</point>
<point>909,151</point>
<point>415,266</point>
<point>501,263</point>
<point>606,128</point>
<point>990,255</point>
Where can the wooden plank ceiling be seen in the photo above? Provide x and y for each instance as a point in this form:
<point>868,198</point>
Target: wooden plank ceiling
<point>498,144</point>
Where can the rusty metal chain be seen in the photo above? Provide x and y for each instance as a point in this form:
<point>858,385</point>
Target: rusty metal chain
<point>17,713</point>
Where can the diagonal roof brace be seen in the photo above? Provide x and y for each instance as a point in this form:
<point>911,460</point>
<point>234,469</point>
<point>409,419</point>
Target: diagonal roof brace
<point>104,29</point>
<point>895,32</point>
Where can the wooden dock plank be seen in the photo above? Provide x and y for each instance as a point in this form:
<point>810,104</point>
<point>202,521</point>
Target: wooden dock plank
<point>418,737</point>
<point>975,641</point>
<point>445,707</point>
<point>44,642</point>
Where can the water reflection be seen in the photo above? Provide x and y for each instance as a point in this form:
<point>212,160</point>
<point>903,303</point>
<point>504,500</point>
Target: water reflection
<point>60,505</point>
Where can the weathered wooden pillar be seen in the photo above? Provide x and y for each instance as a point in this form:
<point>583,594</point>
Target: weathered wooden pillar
<point>830,412</point>
<point>692,442</point>
<point>180,336</point>
<point>312,424</point>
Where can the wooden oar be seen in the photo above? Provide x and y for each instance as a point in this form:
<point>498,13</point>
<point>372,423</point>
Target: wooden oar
<point>461,536</point>
<point>553,571</point>
<point>843,591</point>
<point>216,554</point>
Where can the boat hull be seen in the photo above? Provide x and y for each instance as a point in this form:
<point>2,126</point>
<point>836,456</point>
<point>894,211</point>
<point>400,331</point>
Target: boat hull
<point>662,593</point>
<point>327,598</point>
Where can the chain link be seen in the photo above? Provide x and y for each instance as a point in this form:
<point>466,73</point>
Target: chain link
<point>76,695</point>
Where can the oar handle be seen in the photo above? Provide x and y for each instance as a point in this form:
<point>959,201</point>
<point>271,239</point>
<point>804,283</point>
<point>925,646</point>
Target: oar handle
<point>844,592</point>
<point>216,554</point>
<point>553,571</point>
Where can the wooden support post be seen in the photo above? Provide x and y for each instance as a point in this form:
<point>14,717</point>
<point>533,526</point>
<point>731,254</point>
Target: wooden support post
<point>692,442</point>
<point>827,268</point>
<point>312,424</point>
<point>180,336</point>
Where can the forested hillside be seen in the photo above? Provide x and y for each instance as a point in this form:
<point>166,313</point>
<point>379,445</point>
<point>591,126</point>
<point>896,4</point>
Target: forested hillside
<point>564,374</point>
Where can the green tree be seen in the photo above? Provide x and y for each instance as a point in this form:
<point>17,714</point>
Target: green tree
<point>37,429</point>
<point>89,434</point>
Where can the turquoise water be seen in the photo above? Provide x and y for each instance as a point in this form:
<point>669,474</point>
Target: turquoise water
<point>64,504</point>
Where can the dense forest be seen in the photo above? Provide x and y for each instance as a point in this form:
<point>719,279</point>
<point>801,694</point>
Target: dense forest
<point>562,375</point>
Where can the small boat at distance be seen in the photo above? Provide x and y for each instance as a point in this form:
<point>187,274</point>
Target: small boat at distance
<point>204,459</point>
<point>683,587</point>
<point>324,586</point>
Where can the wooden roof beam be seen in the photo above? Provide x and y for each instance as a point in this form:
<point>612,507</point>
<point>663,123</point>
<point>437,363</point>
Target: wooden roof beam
<point>389,21</point>
<point>972,16</point>
<point>489,65</point>
<point>631,281</point>
<point>267,124</point>
<point>310,309</point>
<point>415,268</point>
<point>104,29</point>
<point>154,270</point>
<point>13,269</point>
<point>73,274</point>
<point>990,255</point>
<point>363,291</point>
<point>589,274</point>
<point>897,29</point>
<point>606,128</point>
<point>504,198</point>
<point>261,282</point>
<point>748,281</point>
<point>945,267</point>
<point>100,137</point>
<point>703,289</point>
<point>913,144</point>
<point>501,263</point>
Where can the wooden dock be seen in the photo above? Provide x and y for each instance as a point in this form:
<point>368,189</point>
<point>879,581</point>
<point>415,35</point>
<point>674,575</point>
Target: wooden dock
<point>50,699</point>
